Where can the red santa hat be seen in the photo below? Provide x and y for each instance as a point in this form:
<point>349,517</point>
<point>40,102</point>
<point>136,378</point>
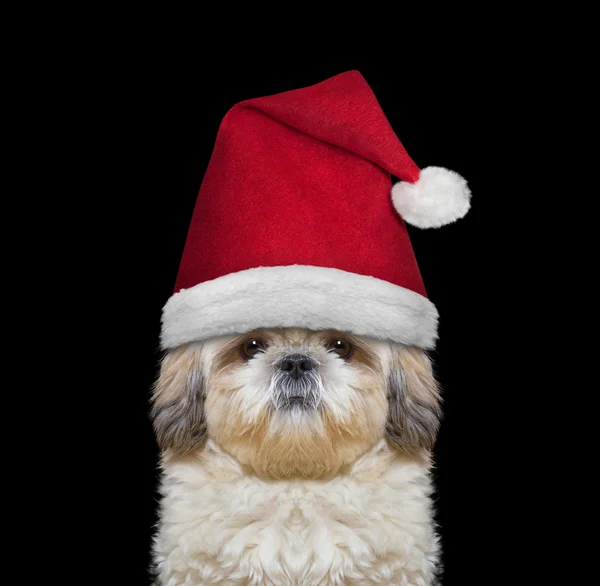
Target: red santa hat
<point>297,223</point>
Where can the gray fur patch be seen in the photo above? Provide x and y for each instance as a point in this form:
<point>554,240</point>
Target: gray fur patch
<point>412,422</point>
<point>180,424</point>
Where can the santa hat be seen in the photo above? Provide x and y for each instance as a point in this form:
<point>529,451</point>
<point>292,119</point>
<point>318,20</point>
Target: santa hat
<point>297,223</point>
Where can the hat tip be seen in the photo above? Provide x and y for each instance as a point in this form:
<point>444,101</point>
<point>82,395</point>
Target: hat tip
<point>439,197</point>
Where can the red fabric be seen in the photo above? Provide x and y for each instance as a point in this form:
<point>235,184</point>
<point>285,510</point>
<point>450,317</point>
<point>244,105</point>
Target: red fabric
<point>345,112</point>
<point>303,177</point>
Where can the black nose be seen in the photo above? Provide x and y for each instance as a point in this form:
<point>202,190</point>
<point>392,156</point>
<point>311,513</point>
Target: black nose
<point>296,365</point>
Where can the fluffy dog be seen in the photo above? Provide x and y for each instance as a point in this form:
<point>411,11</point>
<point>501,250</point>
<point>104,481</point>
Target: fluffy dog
<point>293,457</point>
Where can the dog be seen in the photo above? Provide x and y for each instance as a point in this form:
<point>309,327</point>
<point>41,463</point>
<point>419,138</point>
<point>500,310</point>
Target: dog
<point>293,457</point>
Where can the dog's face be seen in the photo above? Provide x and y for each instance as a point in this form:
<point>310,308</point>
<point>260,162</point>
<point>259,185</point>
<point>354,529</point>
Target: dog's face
<point>295,402</point>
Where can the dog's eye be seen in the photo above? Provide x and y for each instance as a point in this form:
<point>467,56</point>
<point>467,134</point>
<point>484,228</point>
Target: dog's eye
<point>342,348</point>
<point>252,347</point>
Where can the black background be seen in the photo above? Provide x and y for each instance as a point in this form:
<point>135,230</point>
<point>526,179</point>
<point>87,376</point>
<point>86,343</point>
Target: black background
<point>451,113</point>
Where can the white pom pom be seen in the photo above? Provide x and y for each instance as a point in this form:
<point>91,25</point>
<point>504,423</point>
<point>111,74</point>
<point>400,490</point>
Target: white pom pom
<point>439,197</point>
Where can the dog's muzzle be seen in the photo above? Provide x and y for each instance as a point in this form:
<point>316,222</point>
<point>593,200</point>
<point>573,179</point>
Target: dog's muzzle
<point>296,382</point>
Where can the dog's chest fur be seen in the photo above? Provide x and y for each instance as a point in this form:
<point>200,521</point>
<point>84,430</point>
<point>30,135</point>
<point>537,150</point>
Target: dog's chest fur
<point>371,525</point>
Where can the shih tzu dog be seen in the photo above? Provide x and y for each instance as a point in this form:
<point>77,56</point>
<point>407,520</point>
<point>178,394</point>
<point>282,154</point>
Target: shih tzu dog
<point>296,408</point>
<point>294,457</point>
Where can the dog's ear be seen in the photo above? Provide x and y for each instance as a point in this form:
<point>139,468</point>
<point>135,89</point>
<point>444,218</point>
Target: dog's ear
<point>178,400</point>
<point>414,400</point>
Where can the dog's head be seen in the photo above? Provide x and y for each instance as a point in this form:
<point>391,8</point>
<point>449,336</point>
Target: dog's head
<point>295,402</point>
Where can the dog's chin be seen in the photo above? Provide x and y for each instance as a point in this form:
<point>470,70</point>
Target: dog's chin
<point>298,439</point>
<point>310,427</point>
<point>296,408</point>
<point>295,453</point>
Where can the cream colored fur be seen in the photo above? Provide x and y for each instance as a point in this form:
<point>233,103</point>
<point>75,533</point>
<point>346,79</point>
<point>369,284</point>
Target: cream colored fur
<point>337,494</point>
<point>370,525</point>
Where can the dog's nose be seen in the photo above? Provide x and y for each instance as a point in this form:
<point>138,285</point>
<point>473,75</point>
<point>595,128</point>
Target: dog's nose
<point>297,365</point>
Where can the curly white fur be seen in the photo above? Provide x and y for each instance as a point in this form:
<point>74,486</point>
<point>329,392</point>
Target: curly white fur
<point>439,197</point>
<point>371,525</point>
